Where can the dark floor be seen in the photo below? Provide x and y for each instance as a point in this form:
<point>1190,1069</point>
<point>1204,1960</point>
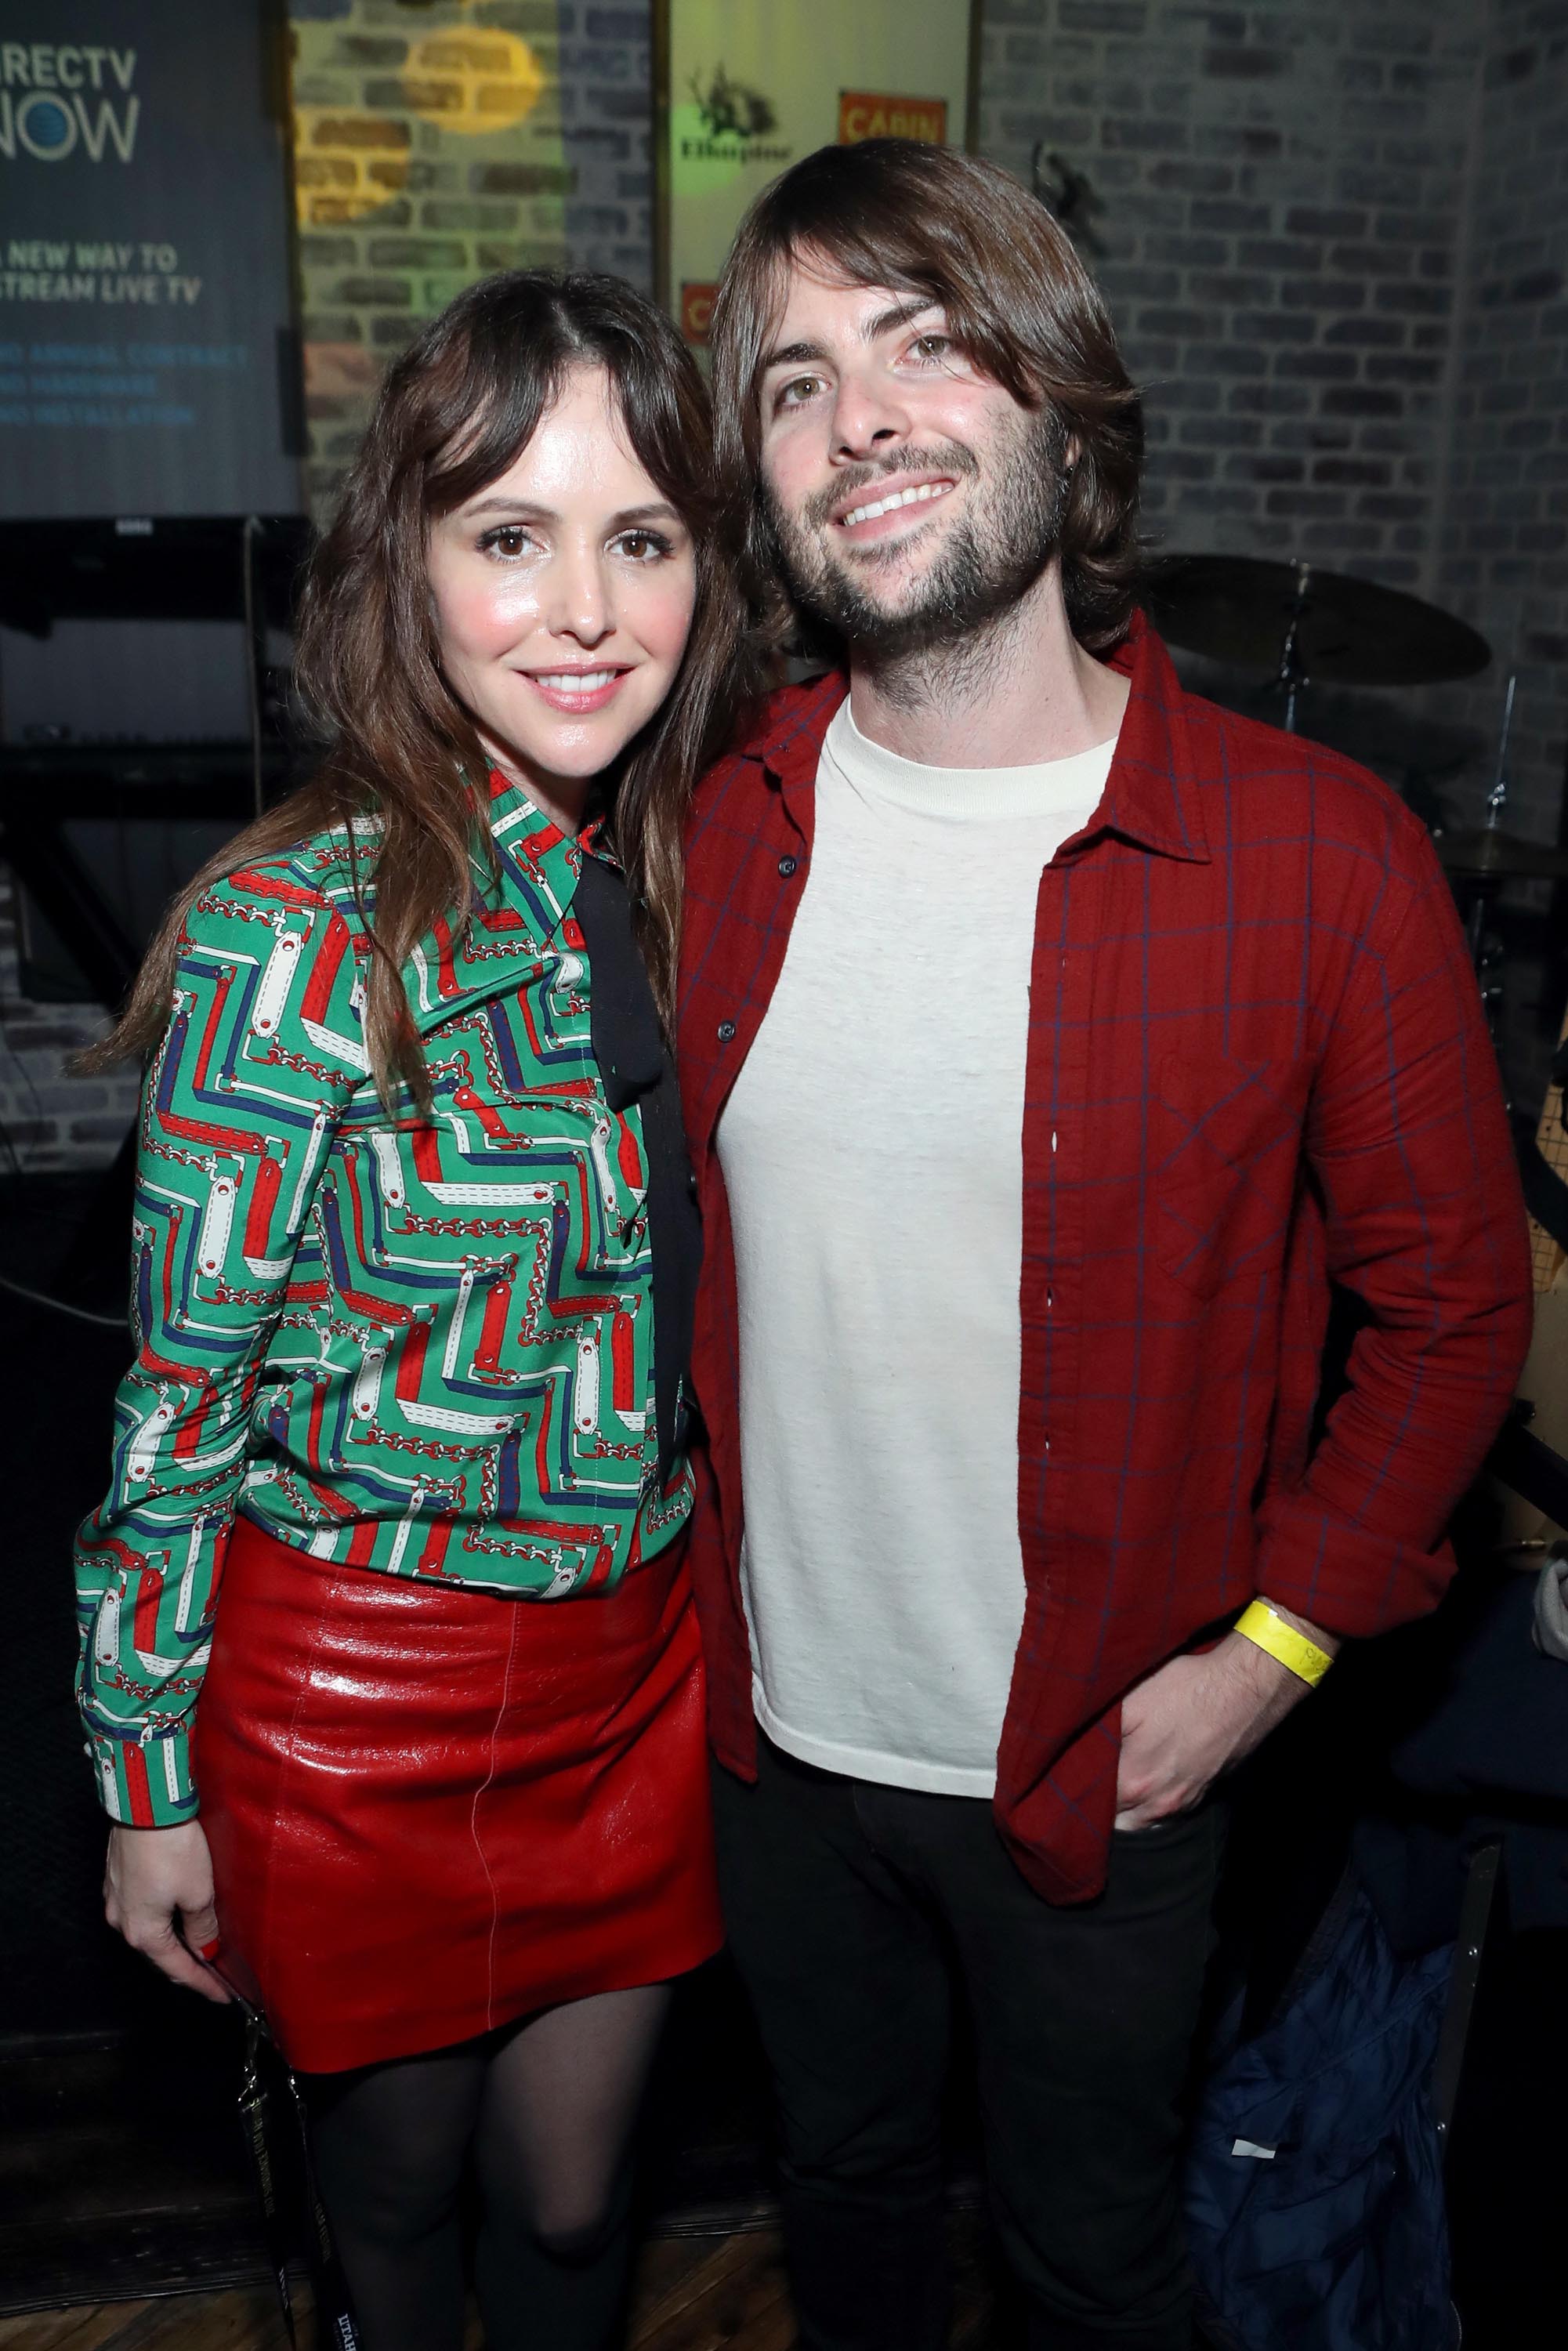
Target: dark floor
<point>704,2294</point>
<point>122,2173</point>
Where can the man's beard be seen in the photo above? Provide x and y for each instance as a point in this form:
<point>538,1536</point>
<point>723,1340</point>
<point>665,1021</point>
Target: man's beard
<point>993,555</point>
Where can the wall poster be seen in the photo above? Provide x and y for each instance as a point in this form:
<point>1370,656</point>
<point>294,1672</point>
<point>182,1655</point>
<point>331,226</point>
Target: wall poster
<point>743,87</point>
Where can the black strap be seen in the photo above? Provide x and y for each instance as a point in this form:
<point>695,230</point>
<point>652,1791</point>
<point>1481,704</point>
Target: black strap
<point>273,2160</point>
<point>634,1066</point>
<point>260,2143</point>
<point>334,2310</point>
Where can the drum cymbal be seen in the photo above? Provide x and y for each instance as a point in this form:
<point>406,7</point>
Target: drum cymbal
<point>1238,608</point>
<point>1485,850</point>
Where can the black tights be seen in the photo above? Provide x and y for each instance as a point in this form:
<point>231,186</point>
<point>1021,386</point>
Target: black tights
<point>548,2109</point>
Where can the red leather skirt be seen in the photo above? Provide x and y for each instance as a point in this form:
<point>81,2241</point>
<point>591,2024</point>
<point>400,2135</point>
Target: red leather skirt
<point>432,1811</point>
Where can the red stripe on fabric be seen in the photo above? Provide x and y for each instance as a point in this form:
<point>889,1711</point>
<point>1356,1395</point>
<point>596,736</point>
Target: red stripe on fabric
<point>324,972</point>
<point>493,1330</point>
<point>188,1429</point>
<point>139,1796</point>
<point>144,1622</point>
<point>624,1365</point>
<point>267,885</point>
<point>265,1186</point>
<point>411,1363</point>
<point>361,1544</point>
<point>629,1158</point>
<point>427,1154</point>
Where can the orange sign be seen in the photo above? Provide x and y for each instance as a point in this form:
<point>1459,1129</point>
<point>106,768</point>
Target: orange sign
<point>696,310</point>
<point>863,114</point>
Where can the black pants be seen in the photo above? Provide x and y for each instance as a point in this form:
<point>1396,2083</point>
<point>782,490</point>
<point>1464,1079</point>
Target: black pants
<point>850,1905</point>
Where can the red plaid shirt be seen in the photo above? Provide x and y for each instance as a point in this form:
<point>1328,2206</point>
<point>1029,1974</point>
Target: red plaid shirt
<point>1256,1060</point>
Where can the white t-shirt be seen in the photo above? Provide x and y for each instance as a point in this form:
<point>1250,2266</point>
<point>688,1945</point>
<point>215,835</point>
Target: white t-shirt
<point>872,1153</point>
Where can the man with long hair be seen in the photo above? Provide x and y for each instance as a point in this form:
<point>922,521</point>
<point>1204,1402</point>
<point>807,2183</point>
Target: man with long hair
<point>1049,1041</point>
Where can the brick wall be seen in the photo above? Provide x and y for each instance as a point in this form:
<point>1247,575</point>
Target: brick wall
<point>1331,236</point>
<point>1283,189</point>
<point>1503,552</point>
<point>435,143</point>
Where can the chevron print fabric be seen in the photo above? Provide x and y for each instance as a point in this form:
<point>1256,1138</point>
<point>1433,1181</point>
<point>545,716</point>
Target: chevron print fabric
<point>424,1348</point>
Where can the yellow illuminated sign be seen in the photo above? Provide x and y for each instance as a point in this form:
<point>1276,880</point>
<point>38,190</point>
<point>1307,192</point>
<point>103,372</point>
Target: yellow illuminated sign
<point>864,114</point>
<point>744,87</point>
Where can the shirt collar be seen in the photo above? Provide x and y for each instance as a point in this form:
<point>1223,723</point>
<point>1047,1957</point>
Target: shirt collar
<point>520,906</point>
<point>789,752</point>
<point>1151,794</point>
<point>527,838</point>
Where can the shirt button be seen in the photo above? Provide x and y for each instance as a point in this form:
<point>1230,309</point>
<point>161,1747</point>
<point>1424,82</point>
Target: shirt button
<point>725,1031</point>
<point>787,866</point>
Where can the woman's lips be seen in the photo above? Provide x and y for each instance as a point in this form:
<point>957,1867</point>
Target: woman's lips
<point>588,690</point>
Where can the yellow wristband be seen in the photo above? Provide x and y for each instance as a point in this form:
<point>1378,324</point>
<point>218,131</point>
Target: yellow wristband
<point>1266,1629</point>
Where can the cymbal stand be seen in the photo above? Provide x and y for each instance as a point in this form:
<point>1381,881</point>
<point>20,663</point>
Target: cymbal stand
<point>1291,676</point>
<point>1496,799</point>
<point>1498,792</point>
<point>1486,947</point>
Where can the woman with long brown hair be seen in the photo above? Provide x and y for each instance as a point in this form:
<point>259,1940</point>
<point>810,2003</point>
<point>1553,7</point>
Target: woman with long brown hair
<point>414,1253</point>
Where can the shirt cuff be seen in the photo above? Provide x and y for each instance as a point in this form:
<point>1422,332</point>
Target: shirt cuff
<point>1351,1580</point>
<point>145,1783</point>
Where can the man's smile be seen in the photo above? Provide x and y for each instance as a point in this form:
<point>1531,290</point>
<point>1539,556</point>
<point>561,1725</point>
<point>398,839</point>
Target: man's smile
<point>861,517</point>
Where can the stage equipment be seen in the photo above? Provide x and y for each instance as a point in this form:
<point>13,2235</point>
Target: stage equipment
<point>145,568</point>
<point>1480,859</point>
<point>1306,625</point>
<point>44,788</point>
<point>743,89</point>
<point>1486,852</point>
<point>1483,851</point>
<point>216,568</point>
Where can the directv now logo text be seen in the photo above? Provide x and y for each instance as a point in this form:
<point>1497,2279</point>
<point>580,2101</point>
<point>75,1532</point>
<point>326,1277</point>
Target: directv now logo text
<point>57,98</point>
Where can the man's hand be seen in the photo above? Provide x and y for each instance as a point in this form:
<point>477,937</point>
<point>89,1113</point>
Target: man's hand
<point>153,1875</point>
<point>1195,1717</point>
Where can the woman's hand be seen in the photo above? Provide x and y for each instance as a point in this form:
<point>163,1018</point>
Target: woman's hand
<point>152,1876</point>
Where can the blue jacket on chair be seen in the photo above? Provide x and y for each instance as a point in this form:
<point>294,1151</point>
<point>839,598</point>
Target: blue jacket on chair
<point>1314,2189</point>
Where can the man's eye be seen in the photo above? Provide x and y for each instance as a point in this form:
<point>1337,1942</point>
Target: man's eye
<point>796,391</point>
<point>508,540</point>
<point>932,347</point>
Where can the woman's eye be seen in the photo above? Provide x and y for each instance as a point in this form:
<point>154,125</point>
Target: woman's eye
<point>508,540</point>
<point>643,545</point>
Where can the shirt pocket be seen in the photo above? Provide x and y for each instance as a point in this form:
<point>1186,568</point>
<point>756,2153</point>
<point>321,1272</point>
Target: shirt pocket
<point>1224,1146</point>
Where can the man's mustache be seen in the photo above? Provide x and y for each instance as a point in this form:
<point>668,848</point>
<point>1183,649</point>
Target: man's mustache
<point>952,459</point>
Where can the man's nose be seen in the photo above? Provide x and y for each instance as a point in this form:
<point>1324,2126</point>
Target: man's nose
<point>869,415</point>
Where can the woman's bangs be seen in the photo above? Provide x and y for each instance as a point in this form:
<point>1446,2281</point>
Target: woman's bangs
<point>493,429</point>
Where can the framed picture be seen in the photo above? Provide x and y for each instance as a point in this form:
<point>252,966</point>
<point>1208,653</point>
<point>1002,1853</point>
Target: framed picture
<point>742,89</point>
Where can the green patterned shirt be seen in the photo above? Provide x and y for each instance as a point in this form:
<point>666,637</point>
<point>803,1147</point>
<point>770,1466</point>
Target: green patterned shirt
<point>421,1347</point>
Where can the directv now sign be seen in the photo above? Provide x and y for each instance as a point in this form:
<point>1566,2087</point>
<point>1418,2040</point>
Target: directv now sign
<point>148,364</point>
<point>56,97</point>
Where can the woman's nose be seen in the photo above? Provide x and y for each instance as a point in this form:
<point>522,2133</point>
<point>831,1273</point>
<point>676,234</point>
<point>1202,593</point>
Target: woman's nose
<point>579,603</point>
